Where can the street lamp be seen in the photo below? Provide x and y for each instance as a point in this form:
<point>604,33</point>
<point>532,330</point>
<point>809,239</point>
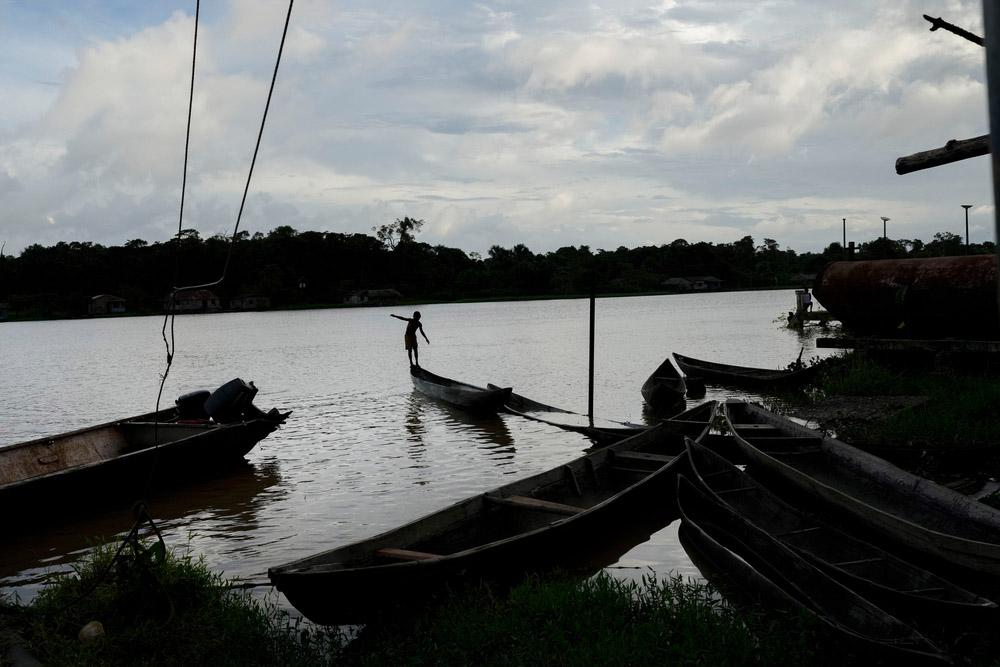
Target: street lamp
<point>884,220</point>
<point>966,207</point>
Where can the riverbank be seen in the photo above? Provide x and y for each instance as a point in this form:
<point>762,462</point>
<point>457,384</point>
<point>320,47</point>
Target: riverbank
<point>173,611</point>
<point>404,303</point>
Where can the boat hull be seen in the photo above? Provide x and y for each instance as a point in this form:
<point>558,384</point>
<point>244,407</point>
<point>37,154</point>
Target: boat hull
<point>915,512</point>
<point>466,396</point>
<point>118,459</point>
<point>575,517</point>
<point>743,376</point>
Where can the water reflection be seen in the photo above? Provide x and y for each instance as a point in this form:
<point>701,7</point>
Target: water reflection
<point>228,505</point>
<point>488,431</point>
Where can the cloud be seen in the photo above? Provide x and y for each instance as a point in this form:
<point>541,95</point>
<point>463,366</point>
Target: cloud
<point>548,124</point>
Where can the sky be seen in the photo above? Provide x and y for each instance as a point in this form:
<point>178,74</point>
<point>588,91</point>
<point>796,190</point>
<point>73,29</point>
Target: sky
<point>548,123</point>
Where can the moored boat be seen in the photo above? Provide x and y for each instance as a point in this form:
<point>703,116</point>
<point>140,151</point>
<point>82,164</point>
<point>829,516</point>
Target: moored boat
<point>115,457</point>
<point>665,387</point>
<point>915,512</point>
<point>744,376</point>
<point>751,566</point>
<point>909,592</point>
<point>601,431</point>
<point>580,515</point>
<point>466,396</point>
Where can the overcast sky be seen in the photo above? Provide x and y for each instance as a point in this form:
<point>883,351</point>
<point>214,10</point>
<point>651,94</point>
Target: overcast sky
<point>547,123</point>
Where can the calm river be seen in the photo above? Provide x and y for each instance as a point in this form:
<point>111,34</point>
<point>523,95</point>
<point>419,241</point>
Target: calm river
<point>362,451</point>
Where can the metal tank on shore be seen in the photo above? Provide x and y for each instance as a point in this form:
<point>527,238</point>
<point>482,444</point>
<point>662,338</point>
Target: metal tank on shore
<point>937,296</point>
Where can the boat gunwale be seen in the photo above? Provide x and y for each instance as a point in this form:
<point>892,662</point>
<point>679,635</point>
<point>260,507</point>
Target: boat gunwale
<point>295,568</point>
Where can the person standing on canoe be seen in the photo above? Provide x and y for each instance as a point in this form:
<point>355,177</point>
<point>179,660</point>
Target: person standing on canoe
<point>410,337</point>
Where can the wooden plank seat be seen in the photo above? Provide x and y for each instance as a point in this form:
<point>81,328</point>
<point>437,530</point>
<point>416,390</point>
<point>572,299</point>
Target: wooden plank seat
<point>628,456</point>
<point>405,554</point>
<point>755,427</point>
<point>527,503</point>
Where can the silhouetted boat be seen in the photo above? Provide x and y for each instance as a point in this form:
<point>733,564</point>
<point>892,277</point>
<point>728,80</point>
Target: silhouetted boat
<point>743,376</point>
<point>910,592</point>
<point>566,518</point>
<point>466,396</point>
<point>601,431</point>
<point>115,457</point>
<point>665,387</point>
<point>753,567</point>
<point>914,511</point>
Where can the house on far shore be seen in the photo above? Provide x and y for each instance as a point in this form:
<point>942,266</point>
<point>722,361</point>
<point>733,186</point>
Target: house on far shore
<point>804,279</point>
<point>704,282</point>
<point>197,301</point>
<point>374,297</point>
<point>250,302</point>
<point>105,304</point>
<point>677,284</point>
<point>692,284</point>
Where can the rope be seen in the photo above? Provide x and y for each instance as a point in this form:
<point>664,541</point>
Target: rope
<point>142,515</point>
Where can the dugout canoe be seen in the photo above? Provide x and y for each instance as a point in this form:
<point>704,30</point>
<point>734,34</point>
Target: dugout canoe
<point>576,516</point>
<point>601,431</point>
<point>460,394</point>
<point>913,511</point>
<point>665,387</point>
<point>113,458</point>
<point>743,376</point>
<point>751,567</point>
<point>909,592</point>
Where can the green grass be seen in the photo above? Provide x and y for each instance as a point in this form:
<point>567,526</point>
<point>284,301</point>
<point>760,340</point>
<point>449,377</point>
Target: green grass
<point>169,611</point>
<point>600,621</point>
<point>962,407</point>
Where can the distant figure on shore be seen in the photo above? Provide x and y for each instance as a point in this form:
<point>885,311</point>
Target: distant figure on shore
<point>807,300</point>
<point>410,337</point>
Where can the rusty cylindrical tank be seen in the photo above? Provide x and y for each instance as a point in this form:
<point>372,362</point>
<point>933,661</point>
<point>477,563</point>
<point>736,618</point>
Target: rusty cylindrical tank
<point>937,296</point>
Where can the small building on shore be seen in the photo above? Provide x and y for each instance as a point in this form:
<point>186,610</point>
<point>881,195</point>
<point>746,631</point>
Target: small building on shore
<point>106,304</point>
<point>374,297</point>
<point>692,284</point>
<point>250,302</point>
<point>197,301</point>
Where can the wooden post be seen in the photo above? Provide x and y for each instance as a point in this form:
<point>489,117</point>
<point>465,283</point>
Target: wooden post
<point>991,28</point>
<point>590,382</point>
<point>844,247</point>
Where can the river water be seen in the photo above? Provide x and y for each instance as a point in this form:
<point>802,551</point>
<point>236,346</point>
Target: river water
<point>362,451</point>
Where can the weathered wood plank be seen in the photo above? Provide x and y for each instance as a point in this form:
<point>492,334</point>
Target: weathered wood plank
<point>953,151</point>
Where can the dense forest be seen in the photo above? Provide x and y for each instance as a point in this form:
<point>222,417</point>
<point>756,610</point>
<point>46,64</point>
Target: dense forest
<point>293,268</point>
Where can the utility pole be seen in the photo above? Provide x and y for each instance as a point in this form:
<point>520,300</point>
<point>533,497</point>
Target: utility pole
<point>966,207</point>
<point>845,238</point>
<point>884,220</point>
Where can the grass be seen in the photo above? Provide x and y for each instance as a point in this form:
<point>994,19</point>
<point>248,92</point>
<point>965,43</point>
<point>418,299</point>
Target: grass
<point>600,621</point>
<point>167,610</point>
<point>962,407</point>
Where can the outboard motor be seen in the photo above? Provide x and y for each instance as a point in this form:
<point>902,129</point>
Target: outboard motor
<point>192,404</point>
<point>232,402</point>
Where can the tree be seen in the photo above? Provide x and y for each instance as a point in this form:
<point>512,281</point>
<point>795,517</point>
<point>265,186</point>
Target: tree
<point>398,232</point>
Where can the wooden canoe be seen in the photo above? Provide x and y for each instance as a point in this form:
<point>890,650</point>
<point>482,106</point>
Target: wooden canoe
<point>466,396</point>
<point>114,458</point>
<point>665,387</point>
<point>752,567</point>
<point>743,376</point>
<point>577,516</point>
<point>909,592</point>
<point>915,512</point>
<point>601,431</point>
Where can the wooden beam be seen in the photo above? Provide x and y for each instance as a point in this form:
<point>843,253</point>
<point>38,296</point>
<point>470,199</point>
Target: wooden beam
<point>953,151</point>
<point>941,23</point>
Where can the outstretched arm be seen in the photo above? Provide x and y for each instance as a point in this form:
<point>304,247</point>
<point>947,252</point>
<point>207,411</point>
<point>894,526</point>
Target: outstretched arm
<point>400,317</point>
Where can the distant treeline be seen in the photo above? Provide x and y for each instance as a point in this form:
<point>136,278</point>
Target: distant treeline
<point>312,268</point>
